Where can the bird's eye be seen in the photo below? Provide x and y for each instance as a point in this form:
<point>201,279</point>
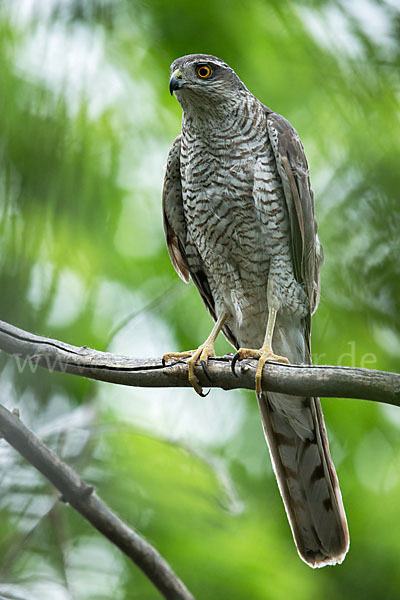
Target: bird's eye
<point>203,71</point>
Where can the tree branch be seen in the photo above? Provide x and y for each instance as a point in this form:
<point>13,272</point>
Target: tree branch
<point>81,496</point>
<point>31,350</point>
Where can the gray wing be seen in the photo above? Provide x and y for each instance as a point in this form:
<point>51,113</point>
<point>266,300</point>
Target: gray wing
<point>292,166</point>
<point>173,215</point>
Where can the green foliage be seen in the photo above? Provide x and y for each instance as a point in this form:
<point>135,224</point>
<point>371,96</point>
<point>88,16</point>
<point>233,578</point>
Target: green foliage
<point>85,126</point>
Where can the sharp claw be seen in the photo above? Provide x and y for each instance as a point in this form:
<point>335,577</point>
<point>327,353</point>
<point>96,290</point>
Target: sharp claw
<point>163,362</point>
<point>205,370</point>
<point>198,389</point>
<point>233,363</point>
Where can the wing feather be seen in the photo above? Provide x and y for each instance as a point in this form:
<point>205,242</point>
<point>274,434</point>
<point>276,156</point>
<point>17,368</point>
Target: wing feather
<point>173,214</point>
<point>293,170</point>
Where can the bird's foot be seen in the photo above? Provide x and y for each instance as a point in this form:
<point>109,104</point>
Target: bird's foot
<point>263,355</point>
<point>203,353</point>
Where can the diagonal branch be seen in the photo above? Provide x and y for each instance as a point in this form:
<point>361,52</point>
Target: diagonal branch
<point>31,350</point>
<point>82,497</point>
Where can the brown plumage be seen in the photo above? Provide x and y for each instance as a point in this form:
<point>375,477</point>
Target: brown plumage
<point>239,219</point>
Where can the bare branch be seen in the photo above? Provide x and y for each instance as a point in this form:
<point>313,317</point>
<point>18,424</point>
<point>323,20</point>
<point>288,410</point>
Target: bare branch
<point>81,496</point>
<point>31,350</point>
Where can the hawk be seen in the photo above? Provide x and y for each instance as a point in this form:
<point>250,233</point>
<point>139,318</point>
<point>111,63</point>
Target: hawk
<point>239,220</point>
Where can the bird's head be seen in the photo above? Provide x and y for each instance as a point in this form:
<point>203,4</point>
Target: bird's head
<point>201,80</point>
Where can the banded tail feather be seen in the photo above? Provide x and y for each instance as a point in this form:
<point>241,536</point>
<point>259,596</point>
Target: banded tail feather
<point>307,481</point>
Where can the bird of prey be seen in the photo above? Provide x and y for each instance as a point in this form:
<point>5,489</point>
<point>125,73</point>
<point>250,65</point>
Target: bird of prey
<point>239,220</point>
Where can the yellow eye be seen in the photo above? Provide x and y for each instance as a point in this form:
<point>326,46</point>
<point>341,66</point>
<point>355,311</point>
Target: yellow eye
<point>203,71</point>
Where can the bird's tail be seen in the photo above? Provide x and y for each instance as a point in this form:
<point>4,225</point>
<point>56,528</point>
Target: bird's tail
<point>296,436</point>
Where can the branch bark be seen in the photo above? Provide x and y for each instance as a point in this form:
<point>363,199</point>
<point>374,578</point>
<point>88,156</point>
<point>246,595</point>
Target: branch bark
<point>82,497</point>
<point>31,350</point>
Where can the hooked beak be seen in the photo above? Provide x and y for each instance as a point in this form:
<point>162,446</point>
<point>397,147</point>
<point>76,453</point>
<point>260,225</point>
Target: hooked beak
<point>175,83</point>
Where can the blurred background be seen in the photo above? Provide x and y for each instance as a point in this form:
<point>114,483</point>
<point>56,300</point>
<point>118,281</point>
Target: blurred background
<point>86,122</point>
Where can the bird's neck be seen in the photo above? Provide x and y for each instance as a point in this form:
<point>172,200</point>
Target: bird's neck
<point>201,120</point>
<point>204,119</point>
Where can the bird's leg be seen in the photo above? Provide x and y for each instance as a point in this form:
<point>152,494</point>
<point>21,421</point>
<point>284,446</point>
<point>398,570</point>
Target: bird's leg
<point>202,353</point>
<point>264,354</point>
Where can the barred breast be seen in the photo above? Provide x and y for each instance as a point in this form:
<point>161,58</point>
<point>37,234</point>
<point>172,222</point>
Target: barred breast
<point>236,216</point>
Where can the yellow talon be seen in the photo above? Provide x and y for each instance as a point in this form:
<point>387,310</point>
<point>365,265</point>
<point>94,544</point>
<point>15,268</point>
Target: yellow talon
<point>263,355</point>
<point>203,352</point>
<point>266,355</point>
<point>177,355</point>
